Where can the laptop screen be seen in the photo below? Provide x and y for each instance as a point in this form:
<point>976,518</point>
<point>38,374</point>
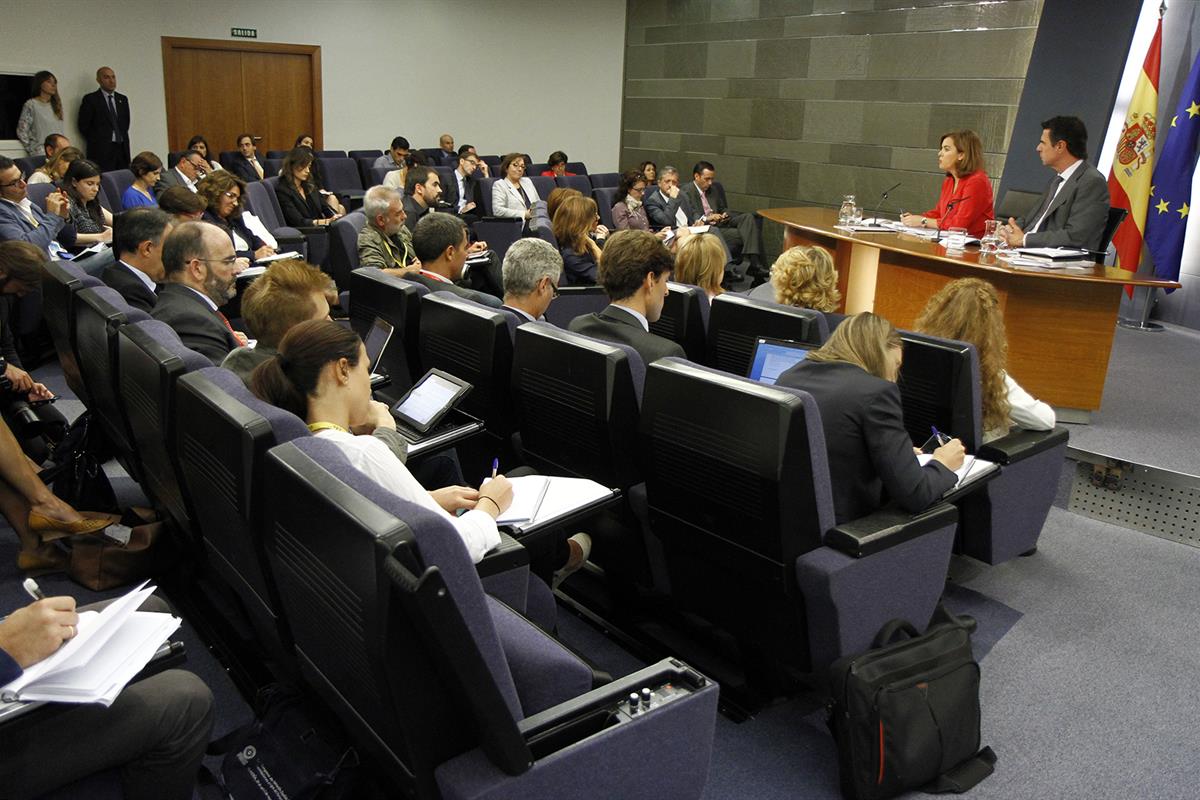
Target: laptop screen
<point>377,340</point>
<point>773,357</point>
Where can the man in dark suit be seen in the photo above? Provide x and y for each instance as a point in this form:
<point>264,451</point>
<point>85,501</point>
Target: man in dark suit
<point>104,123</point>
<point>422,193</point>
<point>532,269</point>
<point>635,268</point>
<point>189,170</point>
<point>446,157</point>
<point>704,203</point>
<point>200,268</point>
<point>1073,210</point>
<point>138,236</point>
<point>663,201</point>
<point>462,192</point>
<point>246,164</point>
<point>440,242</point>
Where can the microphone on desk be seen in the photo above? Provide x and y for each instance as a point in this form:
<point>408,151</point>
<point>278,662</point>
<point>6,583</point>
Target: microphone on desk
<point>949,207</point>
<point>882,198</point>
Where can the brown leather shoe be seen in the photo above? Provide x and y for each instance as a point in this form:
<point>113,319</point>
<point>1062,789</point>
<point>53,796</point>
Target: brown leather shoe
<point>50,529</point>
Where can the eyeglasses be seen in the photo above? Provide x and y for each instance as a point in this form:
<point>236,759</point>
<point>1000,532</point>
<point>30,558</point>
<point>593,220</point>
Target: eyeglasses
<point>229,262</point>
<point>11,184</point>
<point>553,290</point>
<point>231,195</point>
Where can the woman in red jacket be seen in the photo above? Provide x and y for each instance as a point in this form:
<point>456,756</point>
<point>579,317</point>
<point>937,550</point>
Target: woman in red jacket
<point>966,199</point>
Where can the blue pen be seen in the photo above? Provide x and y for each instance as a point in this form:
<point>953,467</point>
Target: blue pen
<point>495,466</point>
<point>942,438</point>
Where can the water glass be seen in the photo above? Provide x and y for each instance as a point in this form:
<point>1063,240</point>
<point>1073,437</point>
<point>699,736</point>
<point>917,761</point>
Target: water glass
<point>955,238</point>
<point>848,210</point>
<point>991,240</point>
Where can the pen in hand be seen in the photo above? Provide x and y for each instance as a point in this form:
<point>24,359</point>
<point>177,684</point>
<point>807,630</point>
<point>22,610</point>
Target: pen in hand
<point>495,466</point>
<point>33,590</point>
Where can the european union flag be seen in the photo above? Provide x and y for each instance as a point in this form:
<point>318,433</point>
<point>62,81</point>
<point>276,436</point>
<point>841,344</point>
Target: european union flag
<point>1166,219</point>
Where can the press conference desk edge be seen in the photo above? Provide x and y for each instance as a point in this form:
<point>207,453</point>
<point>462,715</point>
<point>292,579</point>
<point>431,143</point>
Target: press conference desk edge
<point>1060,325</point>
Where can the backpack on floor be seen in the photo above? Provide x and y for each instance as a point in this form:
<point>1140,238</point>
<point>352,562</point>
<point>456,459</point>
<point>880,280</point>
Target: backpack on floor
<point>291,751</point>
<point>905,714</point>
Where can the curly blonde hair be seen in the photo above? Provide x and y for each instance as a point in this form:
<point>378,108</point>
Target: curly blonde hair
<point>968,310</point>
<point>805,277</point>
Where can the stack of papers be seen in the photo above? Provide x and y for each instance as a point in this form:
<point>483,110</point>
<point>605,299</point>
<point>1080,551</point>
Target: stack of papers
<point>538,499</point>
<point>277,257</point>
<point>972,468</point>
<point>109,649</point>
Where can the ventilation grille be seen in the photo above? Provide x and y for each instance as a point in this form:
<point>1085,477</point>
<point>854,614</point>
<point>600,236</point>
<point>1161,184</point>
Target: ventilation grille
<point>1149,500</point>
<point>733,351</point>
<point>211,470</point>
<point>687,455</point>
<point>664,326</point>
<point>455,357</point>
<point>563,409</point>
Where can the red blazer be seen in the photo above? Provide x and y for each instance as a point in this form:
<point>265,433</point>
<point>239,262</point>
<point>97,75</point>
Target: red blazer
<point>972,203</point>
<point>550,174</point>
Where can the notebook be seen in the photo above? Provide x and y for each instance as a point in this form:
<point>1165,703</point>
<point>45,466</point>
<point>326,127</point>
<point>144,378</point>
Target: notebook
<point>773,357</point>
<point>972,468</point>
<point>539,499</point>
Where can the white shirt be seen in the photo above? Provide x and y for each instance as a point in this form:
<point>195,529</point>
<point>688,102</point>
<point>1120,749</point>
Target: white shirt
<point>372,457</point>
<point>529,317</point>
<point>186,180</point>
<point>26,208</point>
<point>1026,411</point>
<point>144,278</point>
<point>639,316</point>
<point>205,297</point>
<point>462,189</point>
<point>1065,175</point>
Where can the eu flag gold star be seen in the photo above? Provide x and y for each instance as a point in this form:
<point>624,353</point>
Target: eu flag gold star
<point>1163,207</point>
<point>1193,110</point>
<point>1183,210</point>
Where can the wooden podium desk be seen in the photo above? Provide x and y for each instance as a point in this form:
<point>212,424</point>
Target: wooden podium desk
<point>1060,322</point>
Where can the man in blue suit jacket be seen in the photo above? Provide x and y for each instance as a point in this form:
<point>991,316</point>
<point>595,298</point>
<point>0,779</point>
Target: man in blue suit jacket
<point>22,220</point>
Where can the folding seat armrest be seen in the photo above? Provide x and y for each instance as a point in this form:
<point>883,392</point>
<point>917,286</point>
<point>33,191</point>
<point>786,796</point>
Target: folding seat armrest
<point>886,528</point>
<point>1022,444</point>
<point>509,554</point>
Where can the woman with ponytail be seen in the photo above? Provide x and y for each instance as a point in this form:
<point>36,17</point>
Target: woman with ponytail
<point>322,375</point>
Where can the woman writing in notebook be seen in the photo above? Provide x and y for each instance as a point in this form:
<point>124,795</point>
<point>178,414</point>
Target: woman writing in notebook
<point>322,375</point>
<point>871,460</point>
<point>966,198</point>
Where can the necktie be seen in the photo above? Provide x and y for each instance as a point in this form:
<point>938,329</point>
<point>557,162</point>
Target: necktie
<point>704,203</point>
<point>257,167</point>
<point>225,319</point>
<point>1041,212</point>
<point>112,113</point>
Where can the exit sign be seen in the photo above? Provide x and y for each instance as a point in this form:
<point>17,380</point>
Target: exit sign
<point>244,33</point>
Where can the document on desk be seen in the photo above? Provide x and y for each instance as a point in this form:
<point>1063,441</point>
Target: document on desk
<point>538,499</point>
<point>972,468</point>
<point>110,647</point>
<point>277,257</point>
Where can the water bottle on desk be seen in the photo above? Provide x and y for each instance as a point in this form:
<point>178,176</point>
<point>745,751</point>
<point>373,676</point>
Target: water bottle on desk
<point>991,241</point>
<point>849,211</point>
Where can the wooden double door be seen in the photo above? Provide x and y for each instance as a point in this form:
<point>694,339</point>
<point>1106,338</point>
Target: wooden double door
<point>220,89</point>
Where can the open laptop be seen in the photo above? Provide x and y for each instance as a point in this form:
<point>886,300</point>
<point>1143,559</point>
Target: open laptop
<point>377,341</point>
<point>773,357</point>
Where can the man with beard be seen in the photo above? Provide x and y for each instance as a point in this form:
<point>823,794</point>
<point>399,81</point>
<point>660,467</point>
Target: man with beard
<point>385,241</point>
<point>201,269</point>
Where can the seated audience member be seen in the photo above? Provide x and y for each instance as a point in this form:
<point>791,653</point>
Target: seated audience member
<point>629,210</point>
<point>573,224</point>
<point>557,163</point>
<point>200,268</point>
<point>634,271</point>
<point>422,193</point>
<point>968,310</point>
<point>55,168</point>
<point>805,277</point>
<point>183,204</point>
<point>649,172</point>
<point>468,149</point>
<point>246,164</point>
<point>440,242</point>
<point>92,221</point>
<point>299,198</point>
<point>447,157</point>
<point>398,155</point>
<point>138,236</point>
<point>462,192</point>
<point>513,195</point>
<point>700,261</point>
<point>556,198</point>
<point>704,203</point>
<point>663,202</point>
<point>146,169</point>
<point>966,198</point>
<point>396,179</point>
<point>1073,210</point>
<point>200,145</point>
<point>38,517</point>
<point>304,140</point>
<point>225,194</point>
<point>872,462</point>
<point>385,241</point>
<point>53,143</point>
<point>532,268</point>
<point>20,219</point>
<point>288,293</point>
<point>317,179</point>
<point>187,172</point>
<point>322,375</point>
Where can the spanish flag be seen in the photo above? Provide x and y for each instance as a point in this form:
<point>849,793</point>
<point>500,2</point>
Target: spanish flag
<point>1129,183</point>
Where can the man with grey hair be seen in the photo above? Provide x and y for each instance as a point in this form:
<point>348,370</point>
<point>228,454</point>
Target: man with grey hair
<point>531,271</point>
<point>385,241</point>
<point>663,201</point>
<point>201,270</point>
